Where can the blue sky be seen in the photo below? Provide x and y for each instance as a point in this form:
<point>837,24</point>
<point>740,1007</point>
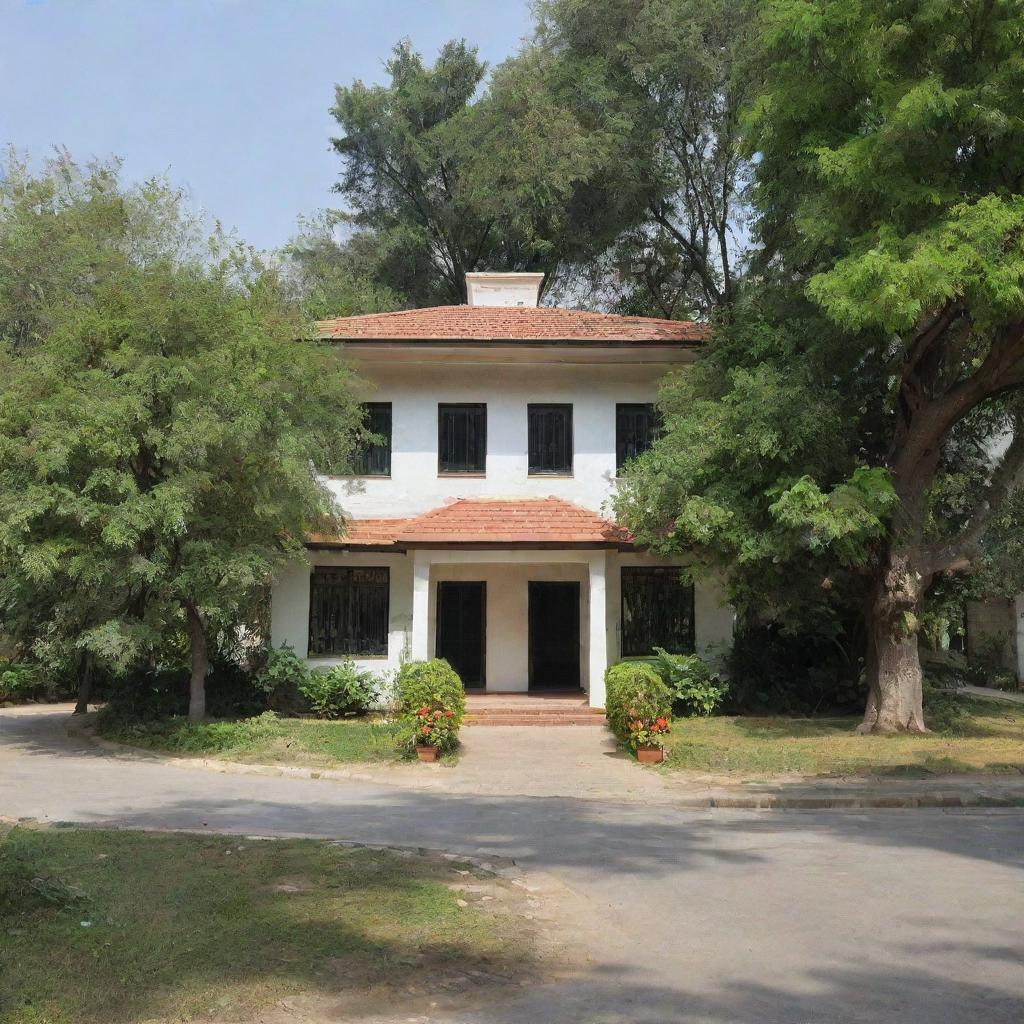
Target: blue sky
<point>226,97</point>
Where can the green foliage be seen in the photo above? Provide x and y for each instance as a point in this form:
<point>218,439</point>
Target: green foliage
<point>182,737</point>
<point>444,174</point>
<point>772,671</point>
<point>695,689</point>
<point>23,682</point>
<point>158,420</point>
<point>432,698</point>
<point>658,88</point>
<point>635,699</point>
<point>339,690</point>
<point>283,673</point>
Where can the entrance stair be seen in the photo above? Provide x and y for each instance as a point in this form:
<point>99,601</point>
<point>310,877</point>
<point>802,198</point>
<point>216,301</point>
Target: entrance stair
<point>554,708</point>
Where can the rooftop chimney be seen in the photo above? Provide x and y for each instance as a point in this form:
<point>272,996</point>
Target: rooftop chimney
<point>498,289</point>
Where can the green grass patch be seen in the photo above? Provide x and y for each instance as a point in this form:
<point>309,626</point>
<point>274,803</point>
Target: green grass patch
<point>112,927</point>
<point>988,736</point>
<point>268,739</point>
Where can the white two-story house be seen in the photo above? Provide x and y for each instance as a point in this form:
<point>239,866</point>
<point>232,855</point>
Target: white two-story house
<point>479,527</point>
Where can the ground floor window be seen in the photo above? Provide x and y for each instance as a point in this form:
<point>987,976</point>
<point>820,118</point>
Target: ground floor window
<point>657,611</point>
<point>348,611</point>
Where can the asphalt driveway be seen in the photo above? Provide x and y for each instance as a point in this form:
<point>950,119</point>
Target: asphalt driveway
<point>696,916</point>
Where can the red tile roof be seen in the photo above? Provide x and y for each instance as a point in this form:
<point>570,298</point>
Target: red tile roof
<point>498,323</point>
<point>486,521</point>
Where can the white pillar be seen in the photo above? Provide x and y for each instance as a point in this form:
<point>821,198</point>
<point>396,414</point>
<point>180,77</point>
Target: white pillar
<point>598,661</point>
<point>420,646</point>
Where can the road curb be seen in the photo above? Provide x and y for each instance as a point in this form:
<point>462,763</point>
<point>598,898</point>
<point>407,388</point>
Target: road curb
<point>820,799</point>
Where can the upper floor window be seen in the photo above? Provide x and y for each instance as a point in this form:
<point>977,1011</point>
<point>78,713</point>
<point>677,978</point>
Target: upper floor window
<point>549,429</point>
<point>375,459</point>
<point>657,611</point>
<point>636,428</point>
<point>348,611</point>
<point>462,438</point>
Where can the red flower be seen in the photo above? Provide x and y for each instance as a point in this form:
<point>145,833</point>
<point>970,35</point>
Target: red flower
<point>661,723</point>
<point>423,712</point>
<point>425,731</point>
<point>449,714</point>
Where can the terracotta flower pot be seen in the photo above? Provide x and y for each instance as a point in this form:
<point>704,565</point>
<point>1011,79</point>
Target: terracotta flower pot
<point>426,753</point>
<point>650,755</point>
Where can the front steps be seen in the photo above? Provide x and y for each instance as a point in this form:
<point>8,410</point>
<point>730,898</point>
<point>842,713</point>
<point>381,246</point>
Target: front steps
<point>530,709</point>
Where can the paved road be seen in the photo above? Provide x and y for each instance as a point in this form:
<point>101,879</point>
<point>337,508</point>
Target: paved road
<point>836,917</point>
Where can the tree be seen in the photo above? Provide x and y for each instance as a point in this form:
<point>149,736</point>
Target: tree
<point>159,421</point>
<point>439,181</point>
<point>890,148</point>
<point>659,88</point>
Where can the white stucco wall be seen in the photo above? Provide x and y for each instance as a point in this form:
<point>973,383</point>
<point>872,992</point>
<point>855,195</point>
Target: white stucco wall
<point>415,391</point>
<point>289,619</point>
<point>507,653</point>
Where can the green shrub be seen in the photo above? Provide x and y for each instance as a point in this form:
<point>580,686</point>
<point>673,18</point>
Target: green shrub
<point>283,678</point>
<point>634,692</point>
<point>772,671</point>
<point>340,690</point>
<point>26,681</point>
<point>180,736</point>
<point>695,689</point>
<point>432,700</point>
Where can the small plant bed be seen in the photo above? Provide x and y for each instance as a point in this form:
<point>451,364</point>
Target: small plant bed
<point>112,927</point>
<point>969,736</point>
<point>267,739</point>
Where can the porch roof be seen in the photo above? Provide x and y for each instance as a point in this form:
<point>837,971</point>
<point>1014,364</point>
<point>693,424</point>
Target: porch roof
<point>484,522</point>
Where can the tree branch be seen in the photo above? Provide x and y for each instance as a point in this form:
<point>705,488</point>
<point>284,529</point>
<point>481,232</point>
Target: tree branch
<point>962,550</point>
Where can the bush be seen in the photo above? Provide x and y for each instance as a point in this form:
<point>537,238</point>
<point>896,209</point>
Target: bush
<point>282,679</point>
<point>340,690</point>
<point>944,712</point>
<point>772,672</point>
<point>182,737</point>
<point>21,682</point>
<point>695,689</point>
<point>636,701</point>
<point>432,702</point>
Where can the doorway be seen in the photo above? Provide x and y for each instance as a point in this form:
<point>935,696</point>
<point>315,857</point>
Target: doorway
<point>554,635</point>
<point>462,629</point>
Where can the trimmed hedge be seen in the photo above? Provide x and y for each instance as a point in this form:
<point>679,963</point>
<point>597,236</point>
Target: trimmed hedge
<point>435,686</point>
<point>634,692</point>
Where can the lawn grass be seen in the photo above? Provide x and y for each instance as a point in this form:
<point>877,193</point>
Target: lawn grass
<point>269,740</point>
<point>988,737</point>
<point>104,926</point>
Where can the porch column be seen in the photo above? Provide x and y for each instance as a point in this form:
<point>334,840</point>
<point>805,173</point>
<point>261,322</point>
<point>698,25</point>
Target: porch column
<point>598,628</point>
<point>420,645</point>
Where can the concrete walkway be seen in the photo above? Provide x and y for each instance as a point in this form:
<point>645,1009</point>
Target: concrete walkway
<point>992,694</point>
<point>585,763</point>
<point>702,917</point>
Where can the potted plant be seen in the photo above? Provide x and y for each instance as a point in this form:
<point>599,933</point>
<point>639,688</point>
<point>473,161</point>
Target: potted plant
<point>434,732</point>
<point>647,738</point>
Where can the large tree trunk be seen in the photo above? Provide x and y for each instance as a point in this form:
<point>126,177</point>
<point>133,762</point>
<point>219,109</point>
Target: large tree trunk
<point>200,664</point>
<point>84,684</point>
<point>894,668</point>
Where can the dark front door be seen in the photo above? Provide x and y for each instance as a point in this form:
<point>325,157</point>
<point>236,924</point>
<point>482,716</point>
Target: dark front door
<point>461,629</point>
<point>554,636</point>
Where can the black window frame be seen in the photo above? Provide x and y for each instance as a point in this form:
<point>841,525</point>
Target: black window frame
<point>375,459</point>
<point>540,416</point>
<point>625,451</point>
<point>475,417</point>
<point>358,599</point>
<point>638,638</point>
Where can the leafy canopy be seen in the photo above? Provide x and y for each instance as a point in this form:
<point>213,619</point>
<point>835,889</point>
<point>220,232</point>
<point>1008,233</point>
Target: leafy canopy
<point>158,420</point>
